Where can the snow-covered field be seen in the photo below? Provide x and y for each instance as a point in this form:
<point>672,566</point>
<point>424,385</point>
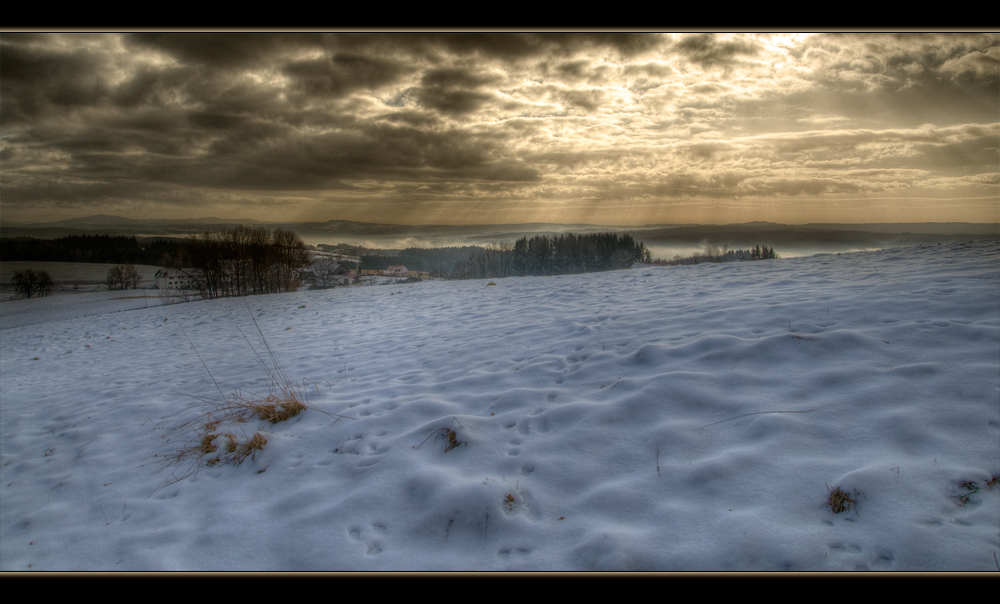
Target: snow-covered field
<point>668,418</point>
<point>72,278</point>
<point>73,272</point>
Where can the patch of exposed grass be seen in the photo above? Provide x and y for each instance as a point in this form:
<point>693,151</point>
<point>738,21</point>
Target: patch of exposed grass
<point>971,488</point>
<point>234,452</point>
<point>450,439</point>
<point>249,448</point>
<point>840,501</point>
<point>205,446</point>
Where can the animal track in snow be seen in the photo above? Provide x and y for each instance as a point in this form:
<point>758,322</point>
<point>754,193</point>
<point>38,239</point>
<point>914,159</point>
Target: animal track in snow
<point>880,558</point>
<point>374,531</point>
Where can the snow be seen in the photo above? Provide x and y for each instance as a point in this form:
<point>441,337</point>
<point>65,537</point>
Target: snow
<point>688,418</point>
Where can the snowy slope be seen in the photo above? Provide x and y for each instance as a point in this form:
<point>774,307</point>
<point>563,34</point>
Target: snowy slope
<point>668,418</point>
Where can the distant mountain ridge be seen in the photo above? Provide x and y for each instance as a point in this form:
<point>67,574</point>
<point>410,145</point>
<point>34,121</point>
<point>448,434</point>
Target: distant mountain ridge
<point>99,220</point>
<point>396,236</point>
<point>108,220</point>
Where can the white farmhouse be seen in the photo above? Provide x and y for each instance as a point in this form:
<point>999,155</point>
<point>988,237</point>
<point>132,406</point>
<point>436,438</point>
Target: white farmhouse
<point>175,278</point>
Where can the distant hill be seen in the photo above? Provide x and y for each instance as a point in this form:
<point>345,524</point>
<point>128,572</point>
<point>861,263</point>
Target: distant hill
<point>385,235</point>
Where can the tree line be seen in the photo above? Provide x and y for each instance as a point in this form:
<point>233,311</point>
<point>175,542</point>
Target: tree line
<point>439,260</point>
<point>714,253</point>
<point>241,261</point>
<point>100,249</point>
<point>540,255</point>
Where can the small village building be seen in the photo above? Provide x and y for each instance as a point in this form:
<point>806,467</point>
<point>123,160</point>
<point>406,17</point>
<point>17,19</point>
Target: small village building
<point>396,270</point>
<point>175,278</point>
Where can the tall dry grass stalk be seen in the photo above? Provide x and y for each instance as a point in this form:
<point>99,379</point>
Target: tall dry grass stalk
<point>284,401</point>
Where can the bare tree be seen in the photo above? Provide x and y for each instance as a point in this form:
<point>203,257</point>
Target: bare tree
<point>130,276</point>
<point>114,277</point>
<point>123,276</point>
<point>29,284</point>
<point>714,253</point>
<point>291,255</point>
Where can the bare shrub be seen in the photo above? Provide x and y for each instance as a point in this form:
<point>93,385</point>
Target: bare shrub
<point>123,276</point>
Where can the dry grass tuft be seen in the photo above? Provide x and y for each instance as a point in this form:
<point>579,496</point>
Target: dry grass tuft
<point>839,501</point>
<point>278,410</point>
<point>205,446</point>
<point>450,439</point>
<point>249,448</point>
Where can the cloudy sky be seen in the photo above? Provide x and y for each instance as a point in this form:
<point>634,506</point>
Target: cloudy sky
<point>479,128</point>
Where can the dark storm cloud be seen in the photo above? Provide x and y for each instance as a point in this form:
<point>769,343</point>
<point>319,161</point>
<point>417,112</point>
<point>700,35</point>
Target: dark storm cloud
<point>901,61</point>
<point>650,69</point>
<point>291,162</point>
<point>976,64</point>
<point>414,119</point>
<point>228,50</point>
<point>342,74</point>
<point>589,100</point>
<point>708,50</point>
<point>524,45</point>
<point>574,70</point>
<point>151,87</point>
<point>503,46</point>
<point>214,120</point>
<point>39,81</point>
<point>455,78</point>
<point>453,91</point>
<point>852,139</point>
